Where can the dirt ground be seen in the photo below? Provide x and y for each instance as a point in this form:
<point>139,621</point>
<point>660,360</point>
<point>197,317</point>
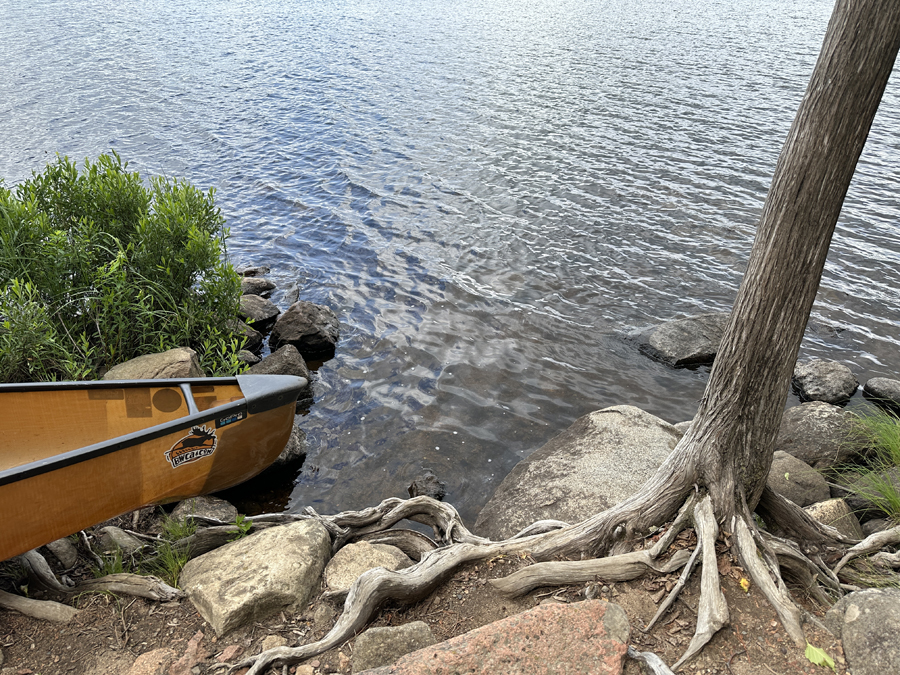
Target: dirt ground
<point>111,632</point>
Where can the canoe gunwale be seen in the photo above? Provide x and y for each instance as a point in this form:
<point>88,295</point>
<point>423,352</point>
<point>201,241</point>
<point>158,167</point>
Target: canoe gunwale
<point>261,393</point>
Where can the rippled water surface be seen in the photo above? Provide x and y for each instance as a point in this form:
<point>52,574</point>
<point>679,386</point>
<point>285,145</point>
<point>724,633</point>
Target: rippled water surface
<point>488,194</point>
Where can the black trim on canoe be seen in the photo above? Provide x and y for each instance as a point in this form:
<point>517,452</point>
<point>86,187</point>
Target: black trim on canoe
<point>261,393</point>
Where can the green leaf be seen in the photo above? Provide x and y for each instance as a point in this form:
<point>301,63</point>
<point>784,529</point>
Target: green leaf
<point>819,657</point>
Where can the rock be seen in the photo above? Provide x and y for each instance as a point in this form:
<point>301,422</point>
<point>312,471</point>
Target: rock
<point>883,391</point>
<point>816,433</point>
<point>207,507</point>
<point>271,642</point>
<point>175,363</point>
<point>112,538</point>
<point>294,453</point>
<point>65,552</point>
<point>876,525</point>
<point>603,458</point>
<point>827,381</point>
<point>232,652</point>
<point>254,341</point>
<point>354,559</point>
<point>193,655</point>
<point>836,513</point>
<point>685,342</point>
<point>285,361</point>
<point>323,617</point>
<point>259,313</point>
<point>155,662</point>
<point>796,480</point>
<point>584,637</point>
<point>382,646</point>
<point>247,357</point>
<point>313,329</point>
<point>253,577</point>
<point>428,485</point>
<point>256,286</point>
<point>252,270</point>
<point>868,624</point>
<point>682,427</point>
<point>869,496</point>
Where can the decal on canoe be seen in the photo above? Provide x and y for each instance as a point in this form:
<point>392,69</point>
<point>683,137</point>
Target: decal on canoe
<point>231,419</point>
<point>201,442</point>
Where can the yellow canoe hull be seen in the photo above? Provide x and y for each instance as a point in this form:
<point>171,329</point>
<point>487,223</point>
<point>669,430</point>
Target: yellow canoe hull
<point>76,454</point>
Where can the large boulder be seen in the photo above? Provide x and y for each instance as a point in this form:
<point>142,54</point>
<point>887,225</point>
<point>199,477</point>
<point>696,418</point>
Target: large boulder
<point>313,329</point>
<point>868,624</point>
<point>285,361</point>
<point>603,458</point>
<point>584,637</point>
<point>382,646</point>
<point>685,342</point>
<point>820,380</point>
<point>256,576</point>
<point>796,480</point>
<point>259,313</point>
<point>816,433</point>
<point>175,363</point>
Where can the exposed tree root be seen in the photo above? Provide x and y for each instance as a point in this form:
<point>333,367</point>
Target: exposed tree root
<point>46,610</point>
<point>712,612</point>
<point>872,543</point>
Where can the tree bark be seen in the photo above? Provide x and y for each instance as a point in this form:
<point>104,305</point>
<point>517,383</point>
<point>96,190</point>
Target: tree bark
<point>738,417</point>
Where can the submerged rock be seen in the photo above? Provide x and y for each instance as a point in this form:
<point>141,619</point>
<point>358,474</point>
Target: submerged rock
<point>599,461</point>
<point>685,342</point>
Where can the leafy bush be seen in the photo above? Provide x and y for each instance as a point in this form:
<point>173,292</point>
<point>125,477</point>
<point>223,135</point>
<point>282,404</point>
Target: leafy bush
<point>96,267</point>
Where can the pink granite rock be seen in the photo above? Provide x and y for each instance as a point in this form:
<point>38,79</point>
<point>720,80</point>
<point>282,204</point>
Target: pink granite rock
<point>585,637</point>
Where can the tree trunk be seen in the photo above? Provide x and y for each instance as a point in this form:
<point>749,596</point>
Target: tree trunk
<point>738,418</point>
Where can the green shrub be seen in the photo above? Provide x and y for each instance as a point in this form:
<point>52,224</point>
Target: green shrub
<point>98,267</point>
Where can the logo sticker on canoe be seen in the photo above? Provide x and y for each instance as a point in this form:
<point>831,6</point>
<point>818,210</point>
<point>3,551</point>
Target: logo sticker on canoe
<point>199,444</point>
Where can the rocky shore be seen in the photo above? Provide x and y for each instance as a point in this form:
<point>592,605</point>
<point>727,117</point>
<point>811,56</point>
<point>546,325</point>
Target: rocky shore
<point>282,582</point>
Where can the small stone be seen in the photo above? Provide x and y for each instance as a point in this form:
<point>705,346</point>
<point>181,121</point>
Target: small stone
<point>256,286</point>
<point>65,552</point>
<point>207,507</point>
<point>253,270</point>
<point>112,538</point>
<point>271,642</point>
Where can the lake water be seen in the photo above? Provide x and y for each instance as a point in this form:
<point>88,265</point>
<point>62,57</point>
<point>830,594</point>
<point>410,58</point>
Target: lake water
<point>488,194</point>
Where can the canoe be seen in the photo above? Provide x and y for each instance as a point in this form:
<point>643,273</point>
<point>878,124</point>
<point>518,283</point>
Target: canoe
<point>73,454</point>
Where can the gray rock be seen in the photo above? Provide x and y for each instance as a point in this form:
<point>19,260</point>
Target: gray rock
<point>836,513</point>
<point>428,485</point>
<point>207,507</point>
<point>271,642</point>
<point>354,559</point>
<point>248,357</point>
<point>685,342</point>
<point>600,460</point>
<point>65,552</point>
<point>796,480</point>
<point>112,538</point>
<point>820,380</point>
<point>382,646</point>
<point>816,433</point>
<point>286,361</point>
<point>175,363</point>
<point>868,625</point>
<point>313,329</point>
<point>683,427</point>
<point>294,452</point>
<point>870,495</point>
<point>253,270</point>
<point>254,341</point>
<point>876,525</point>
<point>259,313</point>
<point>883,390</point>
<point>582,637</point>
<point>256,286</point>
<point>256,576</point>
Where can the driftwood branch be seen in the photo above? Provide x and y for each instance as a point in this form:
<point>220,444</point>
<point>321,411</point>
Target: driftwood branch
<point>141,586</point>
<point>46,610</point>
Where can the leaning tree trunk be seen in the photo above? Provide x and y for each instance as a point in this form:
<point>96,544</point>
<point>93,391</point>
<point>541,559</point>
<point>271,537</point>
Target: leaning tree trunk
<point>738,418</point>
